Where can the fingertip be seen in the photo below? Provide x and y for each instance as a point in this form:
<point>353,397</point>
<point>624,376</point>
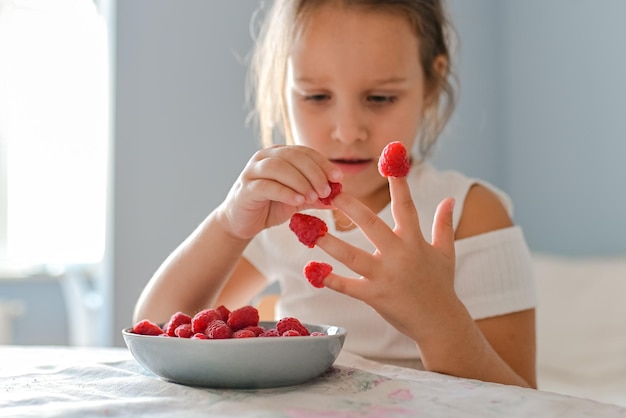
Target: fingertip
<point>450,202</point>
<point>299,200</point>
<point>335,175</point>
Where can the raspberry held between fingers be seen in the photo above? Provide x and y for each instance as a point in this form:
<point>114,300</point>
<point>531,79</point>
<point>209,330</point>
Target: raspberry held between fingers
<point>308,228</point>
<point>335,189</point>
<point>394,160</point>
<point>316,272</point>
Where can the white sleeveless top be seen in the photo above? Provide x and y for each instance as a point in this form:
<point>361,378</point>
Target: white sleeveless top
<point>494,274</point>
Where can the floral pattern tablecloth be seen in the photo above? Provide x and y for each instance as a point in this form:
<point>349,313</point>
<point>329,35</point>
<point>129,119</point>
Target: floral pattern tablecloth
<point>82,382</point>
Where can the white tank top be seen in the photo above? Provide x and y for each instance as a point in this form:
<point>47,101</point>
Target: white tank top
<point>494,273</point>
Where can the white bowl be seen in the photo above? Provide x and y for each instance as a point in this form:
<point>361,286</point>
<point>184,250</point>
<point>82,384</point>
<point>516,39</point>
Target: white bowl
<point>244,363</point>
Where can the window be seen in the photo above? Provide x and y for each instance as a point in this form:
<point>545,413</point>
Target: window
<point>54,110</point>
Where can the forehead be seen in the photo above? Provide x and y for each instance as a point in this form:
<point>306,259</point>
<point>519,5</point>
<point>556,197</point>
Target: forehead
<point>355,39</point>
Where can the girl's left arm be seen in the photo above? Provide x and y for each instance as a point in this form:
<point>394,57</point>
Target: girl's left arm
<point>410,283</point>
<point>512,335</point>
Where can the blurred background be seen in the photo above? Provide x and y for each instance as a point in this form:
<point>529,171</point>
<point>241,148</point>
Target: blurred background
<point>123,123</point>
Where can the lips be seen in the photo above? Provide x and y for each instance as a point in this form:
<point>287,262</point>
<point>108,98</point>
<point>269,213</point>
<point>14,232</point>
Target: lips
<point>352,165</point>
<point>351,161</point>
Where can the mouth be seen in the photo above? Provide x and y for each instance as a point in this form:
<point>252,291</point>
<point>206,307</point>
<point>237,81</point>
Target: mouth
<point>352,165</point>
<point>351,161</point>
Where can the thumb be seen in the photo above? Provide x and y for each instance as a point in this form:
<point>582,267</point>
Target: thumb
<point>443,232</point>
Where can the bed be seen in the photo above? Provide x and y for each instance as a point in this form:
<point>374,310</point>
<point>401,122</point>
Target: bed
<point>581,326</point>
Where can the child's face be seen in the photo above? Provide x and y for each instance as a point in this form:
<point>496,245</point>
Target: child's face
<point>354,84</point>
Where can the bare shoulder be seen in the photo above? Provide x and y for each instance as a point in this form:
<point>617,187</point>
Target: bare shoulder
<point>482,212</point>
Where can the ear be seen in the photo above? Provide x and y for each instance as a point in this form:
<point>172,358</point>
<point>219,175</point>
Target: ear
<point>440,71</point>
<point>440,66</point>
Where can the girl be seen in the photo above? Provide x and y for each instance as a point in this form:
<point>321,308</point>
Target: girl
<point>414,282</point>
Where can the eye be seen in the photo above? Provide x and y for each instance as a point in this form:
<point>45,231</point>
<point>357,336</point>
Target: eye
<point>378,99</point>
<point>316,97</point>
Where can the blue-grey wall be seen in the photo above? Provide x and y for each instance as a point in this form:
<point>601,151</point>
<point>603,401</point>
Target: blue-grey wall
<point>541,114</point>
<point>564,102</point>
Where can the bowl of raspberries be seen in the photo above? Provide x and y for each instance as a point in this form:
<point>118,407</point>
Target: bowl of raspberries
<point>220,348</point>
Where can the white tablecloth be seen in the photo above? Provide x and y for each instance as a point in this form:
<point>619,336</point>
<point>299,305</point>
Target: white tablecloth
<point>82,382</point>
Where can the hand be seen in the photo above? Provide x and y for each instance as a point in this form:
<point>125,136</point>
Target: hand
<point>277,182</point>
<point>407,280</point>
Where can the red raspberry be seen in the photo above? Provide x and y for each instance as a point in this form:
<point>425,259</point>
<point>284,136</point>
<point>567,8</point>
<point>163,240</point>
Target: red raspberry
<point>316,272</point>
<point>394,161</point>
<point>272,332</point>
<point>224,311</point>
<point>335,189</point>
<point>199,336</point>
<point>175,321</point>
<point>291,333</point>
<point>219,330</point>
<point>146,327</point>
<point>184,331</point>
<point>258,330</point>
<point>244,333</point>
<point>202,319</point>
<point>248,316</point>
<point>308,228</point>
<point>290,323</point>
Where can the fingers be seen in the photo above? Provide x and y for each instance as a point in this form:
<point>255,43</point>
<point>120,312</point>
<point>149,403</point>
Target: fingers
<point>403,208</point>
<point>356,259</point>
<point>374,228</point>
<point>300,169</point>
<point>350,286</point>
<point>443,231</point>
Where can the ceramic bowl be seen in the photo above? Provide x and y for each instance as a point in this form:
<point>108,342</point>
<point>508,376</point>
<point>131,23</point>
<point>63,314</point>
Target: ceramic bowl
<point>246,363</point>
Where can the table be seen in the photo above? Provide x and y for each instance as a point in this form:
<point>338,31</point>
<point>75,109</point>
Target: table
<point>83,382</point>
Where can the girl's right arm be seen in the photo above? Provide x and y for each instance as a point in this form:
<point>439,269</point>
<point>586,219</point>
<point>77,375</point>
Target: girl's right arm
<point>277,182</point>
<point>193,275</point>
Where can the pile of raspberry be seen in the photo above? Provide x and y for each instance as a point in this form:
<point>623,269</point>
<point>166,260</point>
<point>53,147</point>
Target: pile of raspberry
<point>220,323</point>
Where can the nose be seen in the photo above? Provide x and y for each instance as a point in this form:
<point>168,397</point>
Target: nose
<point>349,123</point>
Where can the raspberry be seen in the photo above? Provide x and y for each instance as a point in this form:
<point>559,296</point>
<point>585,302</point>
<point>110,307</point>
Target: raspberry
<point>202,319</point>
<point>290,323</point>
<point>199,336</point>
<point>316,272</point>
<point>184,331</point>
<point>224,311</point>
<point>146,327</point>
<point>335,189</point>
<point>394,161</point>
<point>244,333</point>
<point>272,332</point>
<point>175,321</point>
<point>308,228</point>
<point>248,316</point>
<point>258,330</point>
<point>219,330</point>
<point>291,333</point>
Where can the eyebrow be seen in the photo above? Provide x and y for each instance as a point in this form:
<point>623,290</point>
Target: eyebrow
<point>381,81</point>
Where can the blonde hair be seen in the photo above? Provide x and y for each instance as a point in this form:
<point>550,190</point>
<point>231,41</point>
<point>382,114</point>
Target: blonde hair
<point>268,67</point>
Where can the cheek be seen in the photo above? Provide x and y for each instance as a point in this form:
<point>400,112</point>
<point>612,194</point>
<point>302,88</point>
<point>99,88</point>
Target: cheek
<point>404,124</point>
<point>304,126</point>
